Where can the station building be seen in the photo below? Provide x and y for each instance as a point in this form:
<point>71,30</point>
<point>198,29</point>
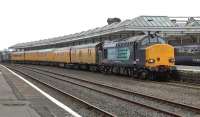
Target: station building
<point>177,31</point>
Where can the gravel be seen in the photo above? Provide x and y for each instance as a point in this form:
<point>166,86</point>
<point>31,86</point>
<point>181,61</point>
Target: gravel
<point>168,92</point>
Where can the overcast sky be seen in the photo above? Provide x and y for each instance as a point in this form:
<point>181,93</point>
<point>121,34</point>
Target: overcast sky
<point>29,20</point>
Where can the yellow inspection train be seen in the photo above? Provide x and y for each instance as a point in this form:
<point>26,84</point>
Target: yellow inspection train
<point>145,57</point>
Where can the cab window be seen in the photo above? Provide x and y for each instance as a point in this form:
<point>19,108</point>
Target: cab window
<point>153,40</point>
<point>161,40</point>
<point>147,41</point>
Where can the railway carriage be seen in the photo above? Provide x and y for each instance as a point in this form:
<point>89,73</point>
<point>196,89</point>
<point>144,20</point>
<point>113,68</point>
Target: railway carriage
<point>85,54</point>
<point>45,55</point>
<point>17,57</point>
<point>62,55</point>
<point>31,55</point>
<point>187,54</point>
<point>5,56</point>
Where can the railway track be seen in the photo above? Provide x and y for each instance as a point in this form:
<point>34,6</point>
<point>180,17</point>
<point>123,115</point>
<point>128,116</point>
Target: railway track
<point>171,83</point>
<point>158,104</point>
<point>188,85</point>
<point>97,110</point>
<point>185,85</point>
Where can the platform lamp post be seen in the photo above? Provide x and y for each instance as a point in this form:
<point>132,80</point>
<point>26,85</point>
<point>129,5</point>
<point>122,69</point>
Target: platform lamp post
<point>181,37</point>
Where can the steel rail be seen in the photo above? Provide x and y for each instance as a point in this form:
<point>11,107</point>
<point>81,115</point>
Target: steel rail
<point>174,83</point>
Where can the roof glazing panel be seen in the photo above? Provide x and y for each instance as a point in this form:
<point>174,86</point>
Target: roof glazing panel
<point>152,21</point>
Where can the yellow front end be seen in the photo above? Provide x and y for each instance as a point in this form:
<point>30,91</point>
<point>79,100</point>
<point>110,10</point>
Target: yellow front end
<point>160,55</point>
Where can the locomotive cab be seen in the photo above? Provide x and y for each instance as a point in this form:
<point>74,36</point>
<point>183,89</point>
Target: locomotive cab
<point>158,53</point>
<point>157,57</point>
<point>160,56</point>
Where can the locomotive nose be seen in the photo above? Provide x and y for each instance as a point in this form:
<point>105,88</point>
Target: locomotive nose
<point>160,55</point>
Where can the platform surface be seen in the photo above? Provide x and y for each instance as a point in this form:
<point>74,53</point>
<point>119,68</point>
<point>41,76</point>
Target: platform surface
<point>5,90</point>
<point>19,99</point>
<point>188,68</point>
<point>10,106</point>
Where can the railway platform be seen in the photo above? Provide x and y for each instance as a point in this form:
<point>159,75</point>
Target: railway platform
<point>188,68</point>
<point>18,99</point>
<point>189,73</point>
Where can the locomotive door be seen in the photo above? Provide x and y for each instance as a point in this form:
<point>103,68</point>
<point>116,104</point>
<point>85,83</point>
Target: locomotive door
<point>99,54</point>
<point>99,57</point>
<point>134,52</point>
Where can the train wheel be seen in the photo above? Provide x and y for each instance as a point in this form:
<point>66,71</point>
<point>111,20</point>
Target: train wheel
<point>163,76</point>
<point>174,75</point>
<point>101,69</point>
<point>151,76</point>
<point>143,74</point>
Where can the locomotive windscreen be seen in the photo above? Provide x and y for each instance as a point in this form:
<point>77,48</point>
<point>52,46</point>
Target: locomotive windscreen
<point>150,40</point>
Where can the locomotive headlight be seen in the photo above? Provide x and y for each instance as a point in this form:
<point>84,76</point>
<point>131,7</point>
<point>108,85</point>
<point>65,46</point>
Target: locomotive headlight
<point>172,60</point>
<point>151,61</point>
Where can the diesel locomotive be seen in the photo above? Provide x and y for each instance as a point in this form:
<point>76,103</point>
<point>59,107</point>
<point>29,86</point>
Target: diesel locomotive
<point>144,57</point>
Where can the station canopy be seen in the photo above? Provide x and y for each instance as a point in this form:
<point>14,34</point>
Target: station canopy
<point>163,24</point>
